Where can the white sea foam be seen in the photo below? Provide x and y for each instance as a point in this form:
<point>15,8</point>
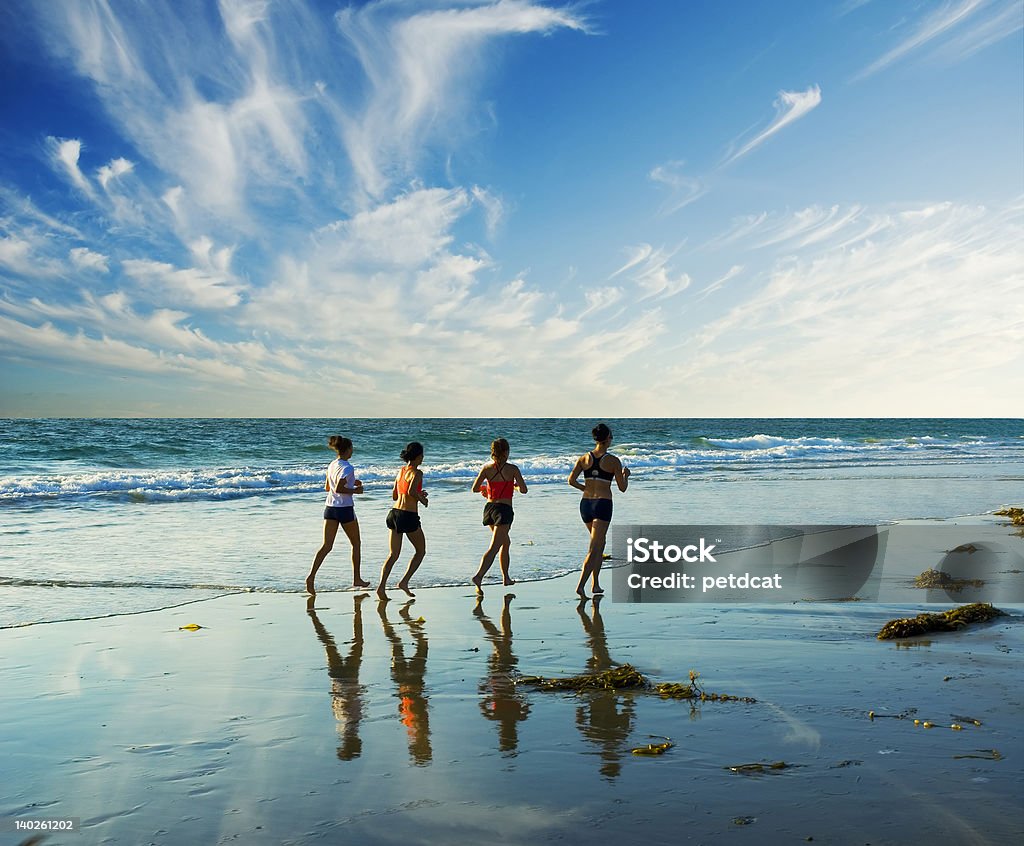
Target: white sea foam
<point>697,456</point>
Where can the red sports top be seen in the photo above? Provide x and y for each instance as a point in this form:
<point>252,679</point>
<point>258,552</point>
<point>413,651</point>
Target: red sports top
<point>499,488</point>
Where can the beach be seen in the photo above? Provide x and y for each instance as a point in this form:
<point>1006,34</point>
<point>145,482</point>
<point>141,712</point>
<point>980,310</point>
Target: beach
<point>166,680</point>
<point>285,719</point>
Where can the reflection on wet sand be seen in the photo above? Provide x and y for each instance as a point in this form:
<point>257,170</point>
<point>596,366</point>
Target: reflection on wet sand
<point>346,692</point>
<point>605,718</point>
<point>500,701</point>
<point>408,675</point>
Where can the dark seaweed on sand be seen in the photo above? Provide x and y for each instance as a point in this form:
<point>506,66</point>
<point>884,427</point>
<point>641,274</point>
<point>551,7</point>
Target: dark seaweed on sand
<point>943,580</point>
<point>627,677</point>
<point>945,621</point>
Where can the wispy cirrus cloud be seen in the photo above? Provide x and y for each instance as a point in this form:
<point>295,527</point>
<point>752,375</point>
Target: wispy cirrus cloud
<point>683,189</point>
<point>85,259</point>
<point>420,71</point>
<point>844,313</point>
<point>719,283</point>
<point>966,25</point>
<point>65,153</point>
<point>790,106</point>
<point>650,270</point>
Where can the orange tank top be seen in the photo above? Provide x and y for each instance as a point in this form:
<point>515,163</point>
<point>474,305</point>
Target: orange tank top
<point>404,482</point>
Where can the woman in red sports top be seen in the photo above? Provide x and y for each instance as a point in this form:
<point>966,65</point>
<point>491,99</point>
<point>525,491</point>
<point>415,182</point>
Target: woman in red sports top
<point>498,481</point>
<point>404,518</point>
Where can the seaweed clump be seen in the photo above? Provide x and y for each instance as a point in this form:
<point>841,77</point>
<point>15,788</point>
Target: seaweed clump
<point>628,677</point>
<point>693,690</point>
<point>945,621</point>
<point>943,580</point>
<point>625,676</point>
<point>1016,515</point>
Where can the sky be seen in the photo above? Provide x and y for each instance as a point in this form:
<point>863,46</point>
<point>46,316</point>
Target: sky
<point>291,208</point>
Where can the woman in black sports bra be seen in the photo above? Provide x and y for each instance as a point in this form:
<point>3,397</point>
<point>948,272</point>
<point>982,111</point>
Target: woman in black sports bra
<point>598,468</point>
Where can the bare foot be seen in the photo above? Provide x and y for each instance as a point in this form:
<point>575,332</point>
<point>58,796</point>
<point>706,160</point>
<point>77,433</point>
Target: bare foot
<point>476,583</point>
<point>597,589</point>
<point>360,583</point>
<point>309,585</point>
<point>404,586</point>
<point>582,594</point>
<point>381,593</point>
<point>508,582</point>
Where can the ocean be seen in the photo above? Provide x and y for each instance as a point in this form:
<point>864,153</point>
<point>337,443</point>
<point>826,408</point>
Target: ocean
<point>105,517</point>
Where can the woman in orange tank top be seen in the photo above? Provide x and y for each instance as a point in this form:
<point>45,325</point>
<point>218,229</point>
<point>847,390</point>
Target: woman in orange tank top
<point>404,518</point>
<point>498,481</point>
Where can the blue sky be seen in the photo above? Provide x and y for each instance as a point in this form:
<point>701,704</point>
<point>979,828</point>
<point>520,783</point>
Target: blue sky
<point>306,208</point>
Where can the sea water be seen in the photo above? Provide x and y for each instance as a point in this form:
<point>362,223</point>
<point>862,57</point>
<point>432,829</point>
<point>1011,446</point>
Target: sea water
<point>101,517</point>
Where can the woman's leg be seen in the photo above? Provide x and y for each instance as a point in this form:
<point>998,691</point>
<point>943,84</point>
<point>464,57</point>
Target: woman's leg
<point>352,530</point>
<point>395,549</point>
<point>504,557</point>
<point>595,552</point>
<point>330,533</point>
<point>419,543</point>
<point>488,559</point>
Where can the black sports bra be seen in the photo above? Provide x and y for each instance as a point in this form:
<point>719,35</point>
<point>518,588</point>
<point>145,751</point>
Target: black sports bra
<point>594,471</point>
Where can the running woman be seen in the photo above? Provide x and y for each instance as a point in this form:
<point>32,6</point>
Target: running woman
<point>598,468</point>
<point>340,485</point>
<point>404,518</point>
<point>498,481</point>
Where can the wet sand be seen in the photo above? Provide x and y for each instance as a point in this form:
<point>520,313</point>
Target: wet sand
<point>345,720</point>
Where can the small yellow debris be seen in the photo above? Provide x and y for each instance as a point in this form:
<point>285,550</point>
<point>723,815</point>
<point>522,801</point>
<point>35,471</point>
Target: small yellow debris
<point>191,627</point>
<point>928,725</point>
<point>655,748</point>
<point>957,727</point>
<point>917,722</point>
<point>871,715</point>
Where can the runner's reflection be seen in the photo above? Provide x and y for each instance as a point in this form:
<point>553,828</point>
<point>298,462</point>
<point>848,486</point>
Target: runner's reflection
<point>499,699</point>
<point>346,692</point>
<point>408,675</point>
<point>605,718</point>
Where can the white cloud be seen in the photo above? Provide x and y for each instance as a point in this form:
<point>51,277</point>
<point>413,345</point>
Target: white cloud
<point>114,169</point>
<point>420,69</point>
<point>598,299</point>
<point>683,190</point>
<point>1006,19</point>
<point>65,153</point>
<point>25,251</point>
<point>790,106</point>
<point>85,259</point>
<point>731,273</point>
<point>494,209</point>
<point>929,307</point>
<point>649,269</point>
<point>931,26</point>
<point>194,287</point>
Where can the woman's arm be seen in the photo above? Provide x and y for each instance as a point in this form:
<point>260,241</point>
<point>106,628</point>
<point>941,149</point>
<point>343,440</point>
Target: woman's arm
<point>417,489</point>
<point>576,470</point>
<point>478,483</point>
<point>519,481</point>
<point>621,475</point>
